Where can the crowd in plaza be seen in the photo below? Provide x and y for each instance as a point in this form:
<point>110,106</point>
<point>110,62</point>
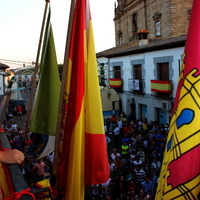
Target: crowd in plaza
<point>135,152</point>
<point>135,159</point>
<point>33,170</point>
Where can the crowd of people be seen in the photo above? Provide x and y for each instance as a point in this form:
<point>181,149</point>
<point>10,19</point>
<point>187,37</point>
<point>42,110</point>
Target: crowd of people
<point>33,170</point>
<point>135,151</point>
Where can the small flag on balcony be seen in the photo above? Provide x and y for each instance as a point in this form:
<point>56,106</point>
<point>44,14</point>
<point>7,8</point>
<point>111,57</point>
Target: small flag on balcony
<point>161,86</point>
<point>115,82</point>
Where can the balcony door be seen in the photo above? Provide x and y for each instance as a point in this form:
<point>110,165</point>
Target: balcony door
<point>163,71</point>
<point>163,75</point>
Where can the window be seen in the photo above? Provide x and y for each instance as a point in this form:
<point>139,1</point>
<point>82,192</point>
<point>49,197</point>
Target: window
<point>158,32</point>
<point>117,72</point>
<point>163,75</point>
<point>137,78</point>
<point>137,73</point>
<point>157,19</point>
<point>163,71</point>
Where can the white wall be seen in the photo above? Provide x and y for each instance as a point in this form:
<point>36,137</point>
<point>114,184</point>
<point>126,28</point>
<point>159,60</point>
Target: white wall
<point>148,75</point>
<point>1,84</point>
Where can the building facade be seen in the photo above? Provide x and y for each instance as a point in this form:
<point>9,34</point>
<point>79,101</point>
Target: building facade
<point>146,82</point>
<point>144,66</point>
<point>162,18</point>
<point>4,78</point>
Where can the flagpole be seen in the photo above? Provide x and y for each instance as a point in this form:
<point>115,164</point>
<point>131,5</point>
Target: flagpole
<point>33,86</point>
<point>64,75</point>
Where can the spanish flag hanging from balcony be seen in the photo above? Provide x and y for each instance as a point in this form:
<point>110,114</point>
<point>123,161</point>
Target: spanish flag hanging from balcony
<point>180,172</point>
<point>161,86</point>
<point>115,82</point>
<point>84,157</point>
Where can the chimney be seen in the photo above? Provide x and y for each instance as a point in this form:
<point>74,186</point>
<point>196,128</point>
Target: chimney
<point>142,35</point>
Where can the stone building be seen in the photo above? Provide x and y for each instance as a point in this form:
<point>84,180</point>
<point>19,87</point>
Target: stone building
<point>162,18</point>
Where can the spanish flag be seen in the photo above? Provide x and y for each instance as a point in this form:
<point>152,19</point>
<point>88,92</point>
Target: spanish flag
<point>84,157</point>
<point>180,172</point>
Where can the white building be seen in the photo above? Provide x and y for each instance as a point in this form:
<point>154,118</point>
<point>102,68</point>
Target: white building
<point>3,78</point>
<point>145,75</point>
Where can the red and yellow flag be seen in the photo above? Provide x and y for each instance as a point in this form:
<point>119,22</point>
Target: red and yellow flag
<point>84,157</point>
<point>180,173</point>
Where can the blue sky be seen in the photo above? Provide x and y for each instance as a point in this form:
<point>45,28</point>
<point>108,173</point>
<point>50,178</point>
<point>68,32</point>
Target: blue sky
<point>21,21</point>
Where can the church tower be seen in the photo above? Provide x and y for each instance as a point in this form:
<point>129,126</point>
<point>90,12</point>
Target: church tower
<point>162,18</point>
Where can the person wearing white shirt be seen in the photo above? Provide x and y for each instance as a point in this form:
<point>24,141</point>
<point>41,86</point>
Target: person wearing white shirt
<point>114,154</point>
<point>116,133</point>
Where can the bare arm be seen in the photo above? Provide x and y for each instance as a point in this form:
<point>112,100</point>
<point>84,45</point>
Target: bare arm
<point>11,156</point>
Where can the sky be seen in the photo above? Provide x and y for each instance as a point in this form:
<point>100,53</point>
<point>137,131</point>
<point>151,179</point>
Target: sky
<point>21,21</point>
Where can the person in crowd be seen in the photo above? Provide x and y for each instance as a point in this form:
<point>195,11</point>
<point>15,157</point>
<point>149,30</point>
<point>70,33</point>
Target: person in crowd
<point>110,188</point>
<point>116,133</point>
<point>132,193</point>
<point>132,158</point>
<point>39,169</point>
<point>139,175</point>
<point>119,122</point>
<point>159,137</point>
<point>112,164</point>
<point>95,192</point>
<point>126,139</point>
<point>119,162</point>
<point>155,170</point>
<point>14,127</point>
<point>115,174</point>
<point>124,119</point>
<point>114,154</point>
<point>147,185</point>
<point>120,188</point>
<point>21,133</point>
<point>10,118</point>
<point>131,130</point>
<point>126,128</point>
<point>19,111</point>
<point>107,197</point>
<point>131,185</point>
<point>141,195</point>
<point>125,150</point>
<point>137,161</point>
<point>147,165</point>
<point>133,143</point>
<point>113,121</point>
<point>160,150</point>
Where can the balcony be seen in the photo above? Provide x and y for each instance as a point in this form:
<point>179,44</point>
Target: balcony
<point>136,86</point>
<point>161,86</point>
<point>115,82</point>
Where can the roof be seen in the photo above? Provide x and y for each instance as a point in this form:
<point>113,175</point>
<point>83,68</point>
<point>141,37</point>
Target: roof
<point>134,48</point>
<point>3,66</point>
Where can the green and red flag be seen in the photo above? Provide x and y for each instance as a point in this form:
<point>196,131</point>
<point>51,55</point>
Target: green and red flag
<point>84,157</point>
<point>180,172</point>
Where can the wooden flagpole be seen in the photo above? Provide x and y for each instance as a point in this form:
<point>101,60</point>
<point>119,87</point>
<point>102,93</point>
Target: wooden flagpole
<point>61,103</point>
<point>33,86</point>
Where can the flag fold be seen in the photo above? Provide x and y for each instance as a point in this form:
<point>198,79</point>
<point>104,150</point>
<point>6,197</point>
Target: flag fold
<point>180,172</point>
<point>84,157</point>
